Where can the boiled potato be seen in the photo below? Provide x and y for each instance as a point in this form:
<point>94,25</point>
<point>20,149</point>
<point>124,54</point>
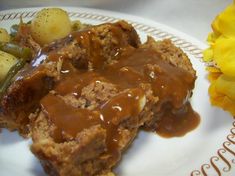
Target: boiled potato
<point>6,62</point>
<point>50,24</point>
<point>4,36</point>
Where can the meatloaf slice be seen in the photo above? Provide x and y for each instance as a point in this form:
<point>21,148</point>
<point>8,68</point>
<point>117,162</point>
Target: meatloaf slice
<point>93,147</point>
<point>95,46</point>
<point>68,139</point>
<point>169,118</point>
<point>88,49</point>
<point>21,98</point>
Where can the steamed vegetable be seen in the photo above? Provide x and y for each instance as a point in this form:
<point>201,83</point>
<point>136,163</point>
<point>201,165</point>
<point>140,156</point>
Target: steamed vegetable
<point>9,53</point>
<point>14,29</point>
<point>16,50</point>
<point>50,24</point>
<point>11,73</point>
<point>6,62</point>
<point>4,36</point>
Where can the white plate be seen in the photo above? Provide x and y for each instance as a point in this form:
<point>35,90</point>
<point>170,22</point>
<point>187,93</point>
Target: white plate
<point>208,150</point>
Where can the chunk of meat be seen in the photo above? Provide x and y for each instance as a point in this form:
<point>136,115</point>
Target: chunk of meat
<point>95,46</point>
<point>83,101</point>
<point>103,87</point>
<point>90,151</point>
<point>87,49</point>
<point>23,96</point>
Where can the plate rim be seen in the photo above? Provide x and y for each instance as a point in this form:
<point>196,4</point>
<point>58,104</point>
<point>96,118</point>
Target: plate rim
<point>186,42</point>
<point>101,12</point>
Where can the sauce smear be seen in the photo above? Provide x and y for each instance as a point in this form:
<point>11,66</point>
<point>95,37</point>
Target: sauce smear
<point>109,115</point>
<point>177,124</point>
<point>133,68</point>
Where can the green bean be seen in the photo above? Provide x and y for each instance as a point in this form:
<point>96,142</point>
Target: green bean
<point>16,50</point>
<point>14,29</point>
<point>11,73</point>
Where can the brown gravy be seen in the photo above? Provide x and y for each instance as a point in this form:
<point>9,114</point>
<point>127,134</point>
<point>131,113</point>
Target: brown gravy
<point>109,115</point>
<point>178,123</point>
<point>85,39</point>
<point>133,67</point>
<point>171,84</point>
<point>144,65</point>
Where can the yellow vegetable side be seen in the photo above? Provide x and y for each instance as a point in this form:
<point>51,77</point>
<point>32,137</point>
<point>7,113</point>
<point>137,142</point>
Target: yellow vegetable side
<point>221,55</point>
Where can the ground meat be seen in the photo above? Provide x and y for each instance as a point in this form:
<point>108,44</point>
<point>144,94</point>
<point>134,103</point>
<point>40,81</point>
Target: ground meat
<point>86,154</point>
<point>100,65</point>
<point>92,158</point>
<point>23,95</point>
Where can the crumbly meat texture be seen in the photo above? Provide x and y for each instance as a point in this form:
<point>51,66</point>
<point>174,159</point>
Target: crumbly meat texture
<point>97,161</point>
<point>170,53</point>
<point>86,154</point>
<point>96,46</point>
<point>22,96</point>
<point>175,56</point>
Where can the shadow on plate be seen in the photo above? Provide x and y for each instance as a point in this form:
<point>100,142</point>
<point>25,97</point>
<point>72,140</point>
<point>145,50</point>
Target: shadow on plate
<point>37,169</point>
<point>9,138</point>
<point>134,149</point>
<point>219,119</point>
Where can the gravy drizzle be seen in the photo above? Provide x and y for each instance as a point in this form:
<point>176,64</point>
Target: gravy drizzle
<point>109,115</point>
<point>133,67</point>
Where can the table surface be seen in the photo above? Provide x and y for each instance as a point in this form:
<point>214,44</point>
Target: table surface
<point>192,17</point>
